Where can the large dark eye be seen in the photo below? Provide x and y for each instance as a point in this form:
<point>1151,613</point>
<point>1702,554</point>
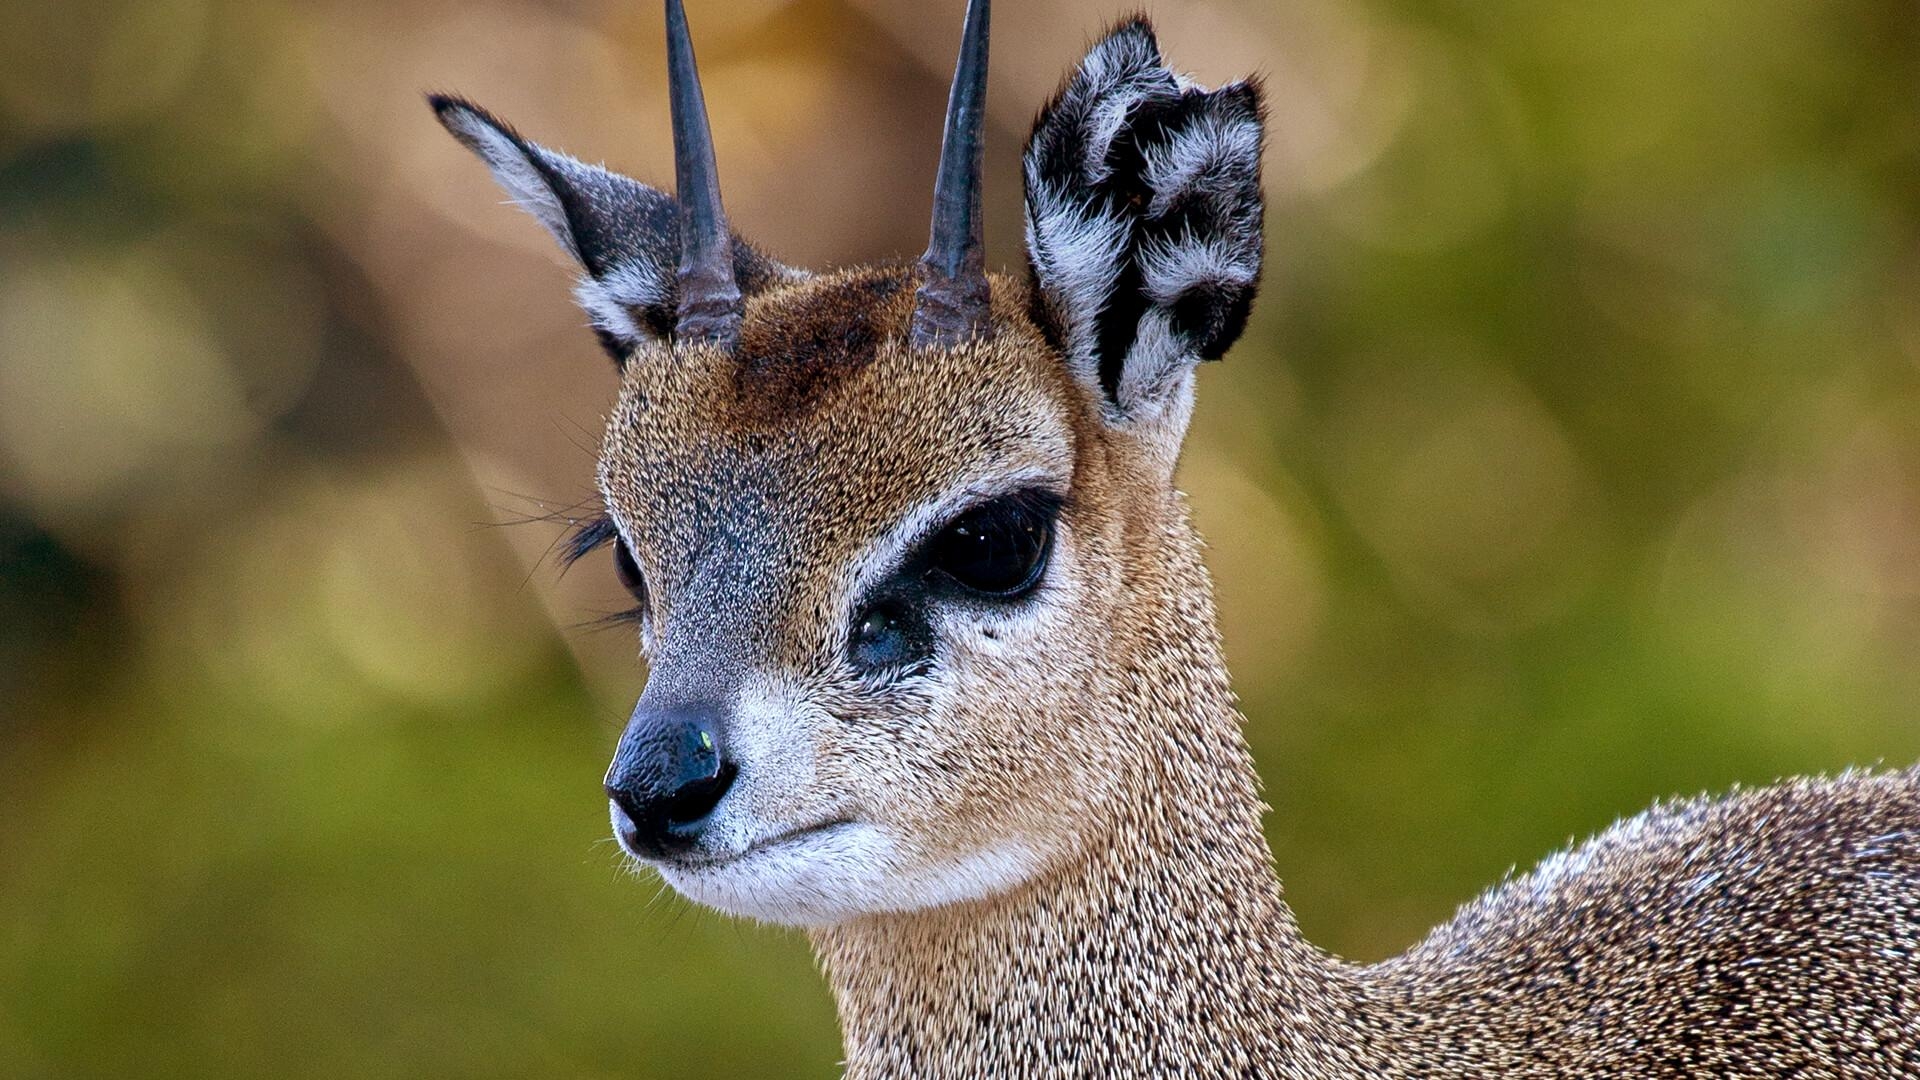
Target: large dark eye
<point>999,548</point>
<point>628,571</point>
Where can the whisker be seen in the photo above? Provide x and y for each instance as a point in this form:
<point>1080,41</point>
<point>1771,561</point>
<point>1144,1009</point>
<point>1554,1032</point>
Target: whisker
<point>611,620</point>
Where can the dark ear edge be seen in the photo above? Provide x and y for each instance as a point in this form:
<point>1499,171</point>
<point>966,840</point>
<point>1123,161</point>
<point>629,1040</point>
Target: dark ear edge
<point>1144,217</point>
<point>623,233</point>
<point>537,184</point>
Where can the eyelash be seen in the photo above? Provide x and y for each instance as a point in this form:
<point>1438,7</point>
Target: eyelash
<point>598,531</point>
<point>586,538</point>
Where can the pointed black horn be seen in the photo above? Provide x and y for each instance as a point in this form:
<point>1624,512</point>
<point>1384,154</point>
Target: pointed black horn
<point>952,303</point>
<point>709,296</point>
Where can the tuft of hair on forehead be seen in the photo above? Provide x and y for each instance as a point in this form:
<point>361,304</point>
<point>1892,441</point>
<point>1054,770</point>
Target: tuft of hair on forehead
<point>800,341</point>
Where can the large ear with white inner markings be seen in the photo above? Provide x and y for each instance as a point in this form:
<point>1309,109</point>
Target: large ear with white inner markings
<point>624,234</point>
<point>1143,221</point>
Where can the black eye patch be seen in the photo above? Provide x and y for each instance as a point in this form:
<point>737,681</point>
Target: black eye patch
<point>993,553</point>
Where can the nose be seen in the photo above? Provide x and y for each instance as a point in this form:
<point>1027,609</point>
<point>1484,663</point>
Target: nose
<point>669,773</point>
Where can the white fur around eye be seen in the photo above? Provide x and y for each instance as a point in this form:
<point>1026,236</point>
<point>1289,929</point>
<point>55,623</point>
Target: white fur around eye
<point>886,554</point>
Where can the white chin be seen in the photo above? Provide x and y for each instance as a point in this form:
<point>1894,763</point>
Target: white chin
<point>840,872</point>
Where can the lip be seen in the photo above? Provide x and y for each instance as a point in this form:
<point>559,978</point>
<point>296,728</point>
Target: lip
<point>761,846</point>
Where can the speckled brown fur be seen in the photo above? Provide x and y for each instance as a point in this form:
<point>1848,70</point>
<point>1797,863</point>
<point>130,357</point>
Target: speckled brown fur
<point>1037,851</point>
<point>806,338</point>
<point>1752,936</point>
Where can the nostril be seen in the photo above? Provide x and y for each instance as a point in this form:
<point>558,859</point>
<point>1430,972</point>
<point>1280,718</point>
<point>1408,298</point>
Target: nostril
<point>696,798</point>
<point>667,778</point>
<point>632,813</point>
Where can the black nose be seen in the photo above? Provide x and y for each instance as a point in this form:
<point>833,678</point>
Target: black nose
<point>670,772</point>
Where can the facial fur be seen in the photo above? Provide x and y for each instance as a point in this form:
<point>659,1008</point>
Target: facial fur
<point>776,483</point>
<point>768,496</point>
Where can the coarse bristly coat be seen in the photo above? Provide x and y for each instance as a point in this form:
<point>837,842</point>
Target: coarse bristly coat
<point>1023,832</point>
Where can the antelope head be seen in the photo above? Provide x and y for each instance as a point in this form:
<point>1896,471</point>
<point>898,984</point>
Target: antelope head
<point>903,539</point>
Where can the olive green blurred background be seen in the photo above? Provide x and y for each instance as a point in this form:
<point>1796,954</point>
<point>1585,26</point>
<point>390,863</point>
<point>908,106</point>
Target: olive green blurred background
<point>1572,459</point>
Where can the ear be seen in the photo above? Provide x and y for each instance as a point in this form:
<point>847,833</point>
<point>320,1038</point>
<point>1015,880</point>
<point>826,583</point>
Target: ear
<point>1143,221</point>
<point>624,234</point>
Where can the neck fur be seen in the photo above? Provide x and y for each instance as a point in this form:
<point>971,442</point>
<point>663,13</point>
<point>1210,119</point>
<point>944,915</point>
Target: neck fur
<point>1163,948</point>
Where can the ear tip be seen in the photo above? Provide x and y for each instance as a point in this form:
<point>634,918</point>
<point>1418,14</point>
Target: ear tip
<point>448,107</point>
<point>1135,30</point>
<point>1244,100</point>
<point>465,120</point>
<point>1127,50</point>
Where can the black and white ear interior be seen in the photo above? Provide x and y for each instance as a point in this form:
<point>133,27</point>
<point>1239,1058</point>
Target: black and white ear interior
<point>1143,220</point>
<point>623,233</point>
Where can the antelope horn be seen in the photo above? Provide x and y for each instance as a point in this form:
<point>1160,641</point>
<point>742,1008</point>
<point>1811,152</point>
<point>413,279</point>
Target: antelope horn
<point>952,303</point>
<point>709,308</point>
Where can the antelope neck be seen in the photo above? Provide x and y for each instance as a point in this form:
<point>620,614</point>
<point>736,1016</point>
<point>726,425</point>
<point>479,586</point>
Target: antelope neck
<point>1164,948</point>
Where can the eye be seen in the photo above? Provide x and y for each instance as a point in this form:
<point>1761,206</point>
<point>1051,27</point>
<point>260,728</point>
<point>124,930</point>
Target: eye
<point>879,640</point>
<point>628,571</point>
<point>998,548</point>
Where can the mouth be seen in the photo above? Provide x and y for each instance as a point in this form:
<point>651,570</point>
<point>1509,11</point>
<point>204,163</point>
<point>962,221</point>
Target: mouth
<point>765,845</point>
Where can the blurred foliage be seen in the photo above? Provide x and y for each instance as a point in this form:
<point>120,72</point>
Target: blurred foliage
<point>1573,459</point>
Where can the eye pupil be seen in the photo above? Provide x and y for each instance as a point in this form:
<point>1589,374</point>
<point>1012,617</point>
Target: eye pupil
<point>628,571</point>
<point>999,548</point>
